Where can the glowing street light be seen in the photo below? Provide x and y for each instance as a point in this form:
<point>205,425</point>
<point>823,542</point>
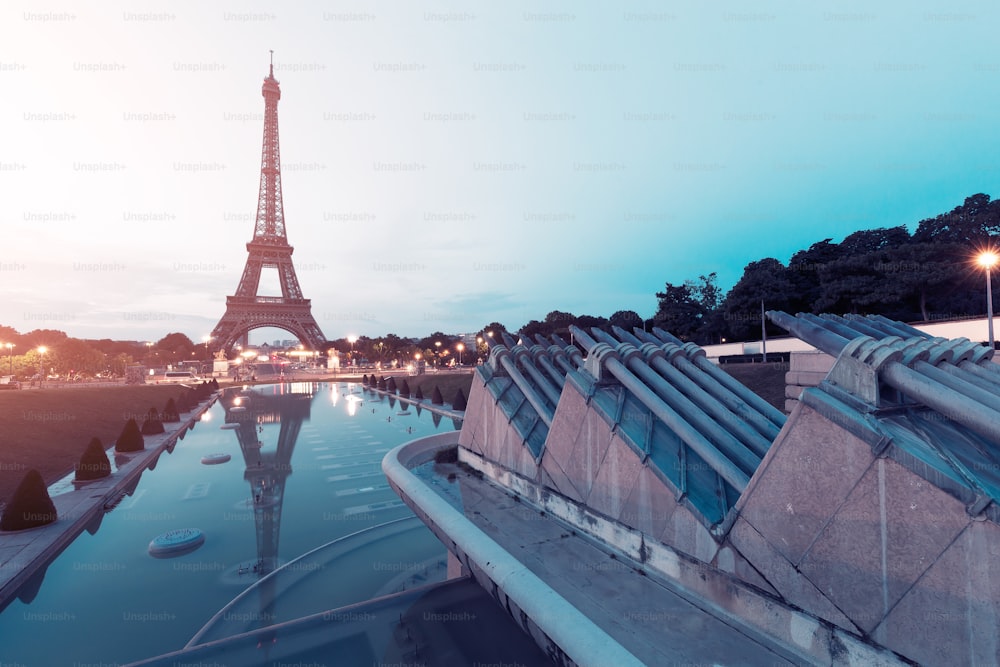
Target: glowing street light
<point>10,357</point>
<point>460,347</point>
<point>988,259</point>
<point>41,364</point>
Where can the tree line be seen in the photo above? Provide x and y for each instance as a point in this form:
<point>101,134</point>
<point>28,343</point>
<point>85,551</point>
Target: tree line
<point>930,274</point>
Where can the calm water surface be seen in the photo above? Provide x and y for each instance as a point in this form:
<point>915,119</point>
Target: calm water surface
<point>304,470</point>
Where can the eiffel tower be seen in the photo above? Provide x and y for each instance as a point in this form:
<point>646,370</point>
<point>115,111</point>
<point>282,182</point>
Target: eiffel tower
<point>269,249</point>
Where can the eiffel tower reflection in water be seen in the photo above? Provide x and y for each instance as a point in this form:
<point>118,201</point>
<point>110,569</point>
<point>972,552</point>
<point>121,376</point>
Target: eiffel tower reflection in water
<point>268,465</point>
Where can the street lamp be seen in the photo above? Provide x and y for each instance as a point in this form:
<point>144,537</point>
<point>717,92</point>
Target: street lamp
<point>10,357</point>
<point>460,347</point>
<point>988,259</point>
<point>437,354</point>
<point>41,366</point>
<point>352,339</point>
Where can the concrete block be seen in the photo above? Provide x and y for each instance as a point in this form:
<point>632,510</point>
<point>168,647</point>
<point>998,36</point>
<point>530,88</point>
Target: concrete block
<point>591,446</point>
<point>811,361</point>
<point>892,527</point>
<point>805,476</point>
<point>615,478</point>
<point>649,504</point>
<point>950,616</point>
<point>782,575</point>
<point>805,378</point>
<point>685,533</point>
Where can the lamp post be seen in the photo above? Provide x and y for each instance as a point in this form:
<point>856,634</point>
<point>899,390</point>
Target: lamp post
<point>988,259</point>
<point>10,358</point>
<point>41,364</point>
<point>460,347</point>
<point>352,339</point>
<point>437,354</point>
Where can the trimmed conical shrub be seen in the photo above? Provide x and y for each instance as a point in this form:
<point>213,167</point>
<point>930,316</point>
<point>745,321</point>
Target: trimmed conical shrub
<point>215,384</point>
<point>364,380</point>
<point>93,464</point>
<point>30,506</point>
<point>420,393</point>
<point>170,412</point>
<point>152,425</point>
<point>130,439</point>
<point>459,402</point>
<point>404,389</point>
<point>436,398</point>
<point>381,383</point>
<point>390,385</point>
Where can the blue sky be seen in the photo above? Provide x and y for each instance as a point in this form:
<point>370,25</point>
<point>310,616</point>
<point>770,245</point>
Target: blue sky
<point>446,165</point>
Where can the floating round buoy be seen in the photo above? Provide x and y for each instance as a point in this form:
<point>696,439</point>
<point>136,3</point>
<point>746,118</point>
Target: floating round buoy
<point>213,459</point>
<point>229,427</point>
<point>404,412</point>
<point>176,542</point>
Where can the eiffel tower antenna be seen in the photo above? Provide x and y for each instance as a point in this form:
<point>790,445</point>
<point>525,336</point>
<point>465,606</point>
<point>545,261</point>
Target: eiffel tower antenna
<point>269,248</point>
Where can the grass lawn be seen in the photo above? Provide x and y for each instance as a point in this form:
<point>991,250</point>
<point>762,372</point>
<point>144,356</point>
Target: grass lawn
<point>48,429</point>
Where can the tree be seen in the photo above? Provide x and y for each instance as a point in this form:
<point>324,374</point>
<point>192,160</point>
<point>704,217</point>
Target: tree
<point>803,272</point>
<point>626,319</point>
<point>972,224</point>
<point>766,280</point>
<point>683,309</point>
<point>75,355</point>
<point>94,463</point>
<point>174,347</point>
<point>872,240</point>
<point>30,506</point>
<point>130,439</point>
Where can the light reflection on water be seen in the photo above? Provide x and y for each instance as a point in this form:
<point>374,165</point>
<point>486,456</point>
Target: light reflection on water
<point>305,470</point>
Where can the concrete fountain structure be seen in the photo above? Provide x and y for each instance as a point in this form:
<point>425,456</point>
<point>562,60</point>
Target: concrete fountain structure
<point>626,500</point>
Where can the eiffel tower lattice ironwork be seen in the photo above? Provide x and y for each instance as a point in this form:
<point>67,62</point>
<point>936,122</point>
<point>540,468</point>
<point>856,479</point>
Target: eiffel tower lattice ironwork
<point>269,248</point>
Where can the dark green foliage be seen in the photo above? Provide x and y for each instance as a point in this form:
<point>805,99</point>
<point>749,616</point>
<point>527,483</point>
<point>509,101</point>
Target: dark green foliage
<point>130,439</point>
<point>30,506</point>
<point>364,380</point>
<point>626,319</point>
<point>152,425</point>
<point>459,402</point>
<point>436,398</point>
<point>420,394</point>
<point>381,383</point>
<point>684,310</point>
<point>93,463</point>
<point>170,412</point>
<point>390,385</point>
<point>404,389</point>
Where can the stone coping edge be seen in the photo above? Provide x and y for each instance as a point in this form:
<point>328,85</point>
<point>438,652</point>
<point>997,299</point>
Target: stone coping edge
<point>579,638</point>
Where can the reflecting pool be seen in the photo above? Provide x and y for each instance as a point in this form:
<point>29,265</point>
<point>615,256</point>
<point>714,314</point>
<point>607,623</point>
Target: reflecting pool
<point>303,470</point>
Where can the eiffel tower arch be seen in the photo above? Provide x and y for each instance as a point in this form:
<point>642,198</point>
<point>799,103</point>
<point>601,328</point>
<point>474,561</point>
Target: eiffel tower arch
<point>269,249</point>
